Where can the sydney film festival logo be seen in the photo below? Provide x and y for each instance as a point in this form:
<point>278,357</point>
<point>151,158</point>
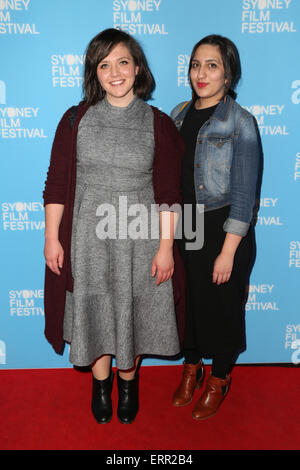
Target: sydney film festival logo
<point>67,70</point>
<point>270,119</point>
<point>183,61</point>
<point>268,212</point>
<point>26,303</point>
<point>18,122</point>
<point>268,16</point>
<point>12,15</point>
<point>22,216</point>
<point>294,254</point>
<point>297,167</point>
<point>292,342</point>
<point>262,297</point>
<point>138,17</point>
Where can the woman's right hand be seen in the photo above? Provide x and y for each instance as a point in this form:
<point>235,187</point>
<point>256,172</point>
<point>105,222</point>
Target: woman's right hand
<point>54,255</point>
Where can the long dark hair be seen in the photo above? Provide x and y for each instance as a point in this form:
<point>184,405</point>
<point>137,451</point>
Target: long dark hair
<point>230,57</point>
<point>99,47</point>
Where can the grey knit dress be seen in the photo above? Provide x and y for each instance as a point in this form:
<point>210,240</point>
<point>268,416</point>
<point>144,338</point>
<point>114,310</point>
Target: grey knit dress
<point>115,307</point>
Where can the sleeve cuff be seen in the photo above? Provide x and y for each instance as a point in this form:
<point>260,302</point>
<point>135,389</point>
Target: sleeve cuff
<point>236,227</point>
<point>165,207</point>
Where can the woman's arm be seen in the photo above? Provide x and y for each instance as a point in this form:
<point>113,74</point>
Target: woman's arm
<point>169,150</point>
<point>53,251</point>
<point>163,262</point>
<point>224,262</point>
<point>57,175</point>
<point>246,166</point>
<point>55,192</point>
<point>245,172</point>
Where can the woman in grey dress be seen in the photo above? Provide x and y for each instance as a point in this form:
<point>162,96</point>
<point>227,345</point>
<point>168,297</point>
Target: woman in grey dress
<point>122,303</point>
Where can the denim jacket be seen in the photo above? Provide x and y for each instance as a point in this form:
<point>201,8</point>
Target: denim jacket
<point>227,162</point>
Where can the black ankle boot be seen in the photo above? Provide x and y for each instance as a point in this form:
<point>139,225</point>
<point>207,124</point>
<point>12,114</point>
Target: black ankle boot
<point>128,399</point>
<point>101,399</point>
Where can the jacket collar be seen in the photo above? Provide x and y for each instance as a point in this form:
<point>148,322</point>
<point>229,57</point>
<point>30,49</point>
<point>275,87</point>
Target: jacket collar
<point>223,109</point>
<point>221,112</point>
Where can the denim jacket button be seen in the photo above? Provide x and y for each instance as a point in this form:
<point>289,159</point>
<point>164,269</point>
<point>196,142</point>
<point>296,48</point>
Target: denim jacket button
<point>200,141</point>
<point>220,143</point>
<point>201,186</point>
<point>198,165</point>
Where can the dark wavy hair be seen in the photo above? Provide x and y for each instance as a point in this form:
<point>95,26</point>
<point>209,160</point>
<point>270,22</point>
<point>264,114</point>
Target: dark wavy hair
<point>230,57</point>
<point>99,48</point>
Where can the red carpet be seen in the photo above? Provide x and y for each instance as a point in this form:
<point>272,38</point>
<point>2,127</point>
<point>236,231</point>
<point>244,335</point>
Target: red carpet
<point>50,409</point>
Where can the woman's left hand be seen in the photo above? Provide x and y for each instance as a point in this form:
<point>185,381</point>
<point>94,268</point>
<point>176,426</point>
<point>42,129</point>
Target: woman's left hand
<point>163,265</point>
<point>222,268</point>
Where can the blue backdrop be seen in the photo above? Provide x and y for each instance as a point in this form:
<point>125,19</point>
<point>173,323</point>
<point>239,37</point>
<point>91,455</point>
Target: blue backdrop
<point>42,53</point>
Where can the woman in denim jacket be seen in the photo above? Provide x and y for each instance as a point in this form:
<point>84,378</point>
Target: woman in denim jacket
<point>220,178</point>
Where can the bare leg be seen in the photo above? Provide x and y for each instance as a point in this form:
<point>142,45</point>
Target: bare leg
<point>129,374</point>
<point>101,367</point>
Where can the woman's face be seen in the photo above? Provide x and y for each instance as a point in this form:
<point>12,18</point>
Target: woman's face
<point>116,74</point>
<point>207,75</point>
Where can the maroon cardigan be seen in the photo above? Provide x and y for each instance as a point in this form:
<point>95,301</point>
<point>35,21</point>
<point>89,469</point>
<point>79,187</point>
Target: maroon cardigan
<point>60,189</point>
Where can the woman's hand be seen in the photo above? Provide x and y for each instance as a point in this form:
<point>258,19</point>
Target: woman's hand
<point>222,268</point>
<point>163,265</point>
<point>54,255</point>
<point>224,262</point>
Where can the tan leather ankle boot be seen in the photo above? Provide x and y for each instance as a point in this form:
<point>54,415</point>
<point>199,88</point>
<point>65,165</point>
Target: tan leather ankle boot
<point>192,377</point>
<point>212,397</point>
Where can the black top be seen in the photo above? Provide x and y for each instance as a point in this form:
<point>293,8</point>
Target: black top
<point>193,121</point>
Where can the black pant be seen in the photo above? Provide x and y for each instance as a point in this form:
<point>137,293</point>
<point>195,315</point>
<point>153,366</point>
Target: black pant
<point>221,363</point>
